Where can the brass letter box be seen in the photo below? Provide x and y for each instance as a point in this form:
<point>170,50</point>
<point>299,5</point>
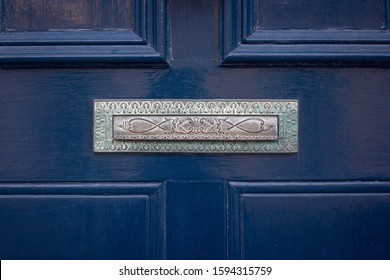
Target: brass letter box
<point>196,126</point>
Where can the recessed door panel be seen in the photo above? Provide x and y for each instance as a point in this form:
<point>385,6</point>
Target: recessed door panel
<point>40,15</point>
<point>309,220</point>
<point>58,34</point>
<point>262,32</point>
<point>81,221</point>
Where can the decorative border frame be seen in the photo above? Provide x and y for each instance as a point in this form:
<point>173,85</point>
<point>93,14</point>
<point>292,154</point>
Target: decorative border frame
<point>243,44</point>
<point>147,45</point>
<point>286,110</point>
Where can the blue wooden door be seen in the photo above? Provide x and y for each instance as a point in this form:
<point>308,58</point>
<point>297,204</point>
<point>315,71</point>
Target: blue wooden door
<point>60,200</point>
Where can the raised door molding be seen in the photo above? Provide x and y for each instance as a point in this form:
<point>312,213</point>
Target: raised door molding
<point>145,45</point>
<point>245,43</point>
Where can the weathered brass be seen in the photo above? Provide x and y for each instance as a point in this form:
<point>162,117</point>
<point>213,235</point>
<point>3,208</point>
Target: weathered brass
<point>196,126</point>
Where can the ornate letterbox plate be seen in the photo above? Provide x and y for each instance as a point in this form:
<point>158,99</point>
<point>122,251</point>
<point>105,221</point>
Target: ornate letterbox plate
<point>196,126</point>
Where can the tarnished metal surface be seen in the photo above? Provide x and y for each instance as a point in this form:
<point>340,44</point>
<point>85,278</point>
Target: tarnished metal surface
<point>199,127</point>
<point>196,126</point>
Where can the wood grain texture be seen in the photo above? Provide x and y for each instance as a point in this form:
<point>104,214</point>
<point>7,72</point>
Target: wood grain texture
<point>40,15</point>
<point>320,14</point>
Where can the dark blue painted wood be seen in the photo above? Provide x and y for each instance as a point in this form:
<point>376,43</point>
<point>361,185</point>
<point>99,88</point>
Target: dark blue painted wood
<point>387,5</point>
<point>2,16</point>
<point>81,56</point>
<point>309,220</point>
<point>64,38</point>
<point>319,14</point>
<point>146,46</point>
<point>196,220</point>
<point>283,33</point>
<point>46,121</point>
<point>40,15</point>
<point>82,221</point>
<point>282,37</point>
<point>301,54</point>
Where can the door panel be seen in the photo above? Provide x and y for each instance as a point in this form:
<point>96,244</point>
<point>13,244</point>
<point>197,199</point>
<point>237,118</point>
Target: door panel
<point>81,221</point>
<point>40,15</point>
<point>309,220</point>
<point>264,32</point>
<point>337,184</point>
<point>97,33</point>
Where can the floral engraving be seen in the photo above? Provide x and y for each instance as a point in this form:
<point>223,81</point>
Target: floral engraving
<point>196,127</point>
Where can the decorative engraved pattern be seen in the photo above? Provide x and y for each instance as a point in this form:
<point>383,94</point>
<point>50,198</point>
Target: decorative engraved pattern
<point>195,128</point>
<point>286,111</point>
